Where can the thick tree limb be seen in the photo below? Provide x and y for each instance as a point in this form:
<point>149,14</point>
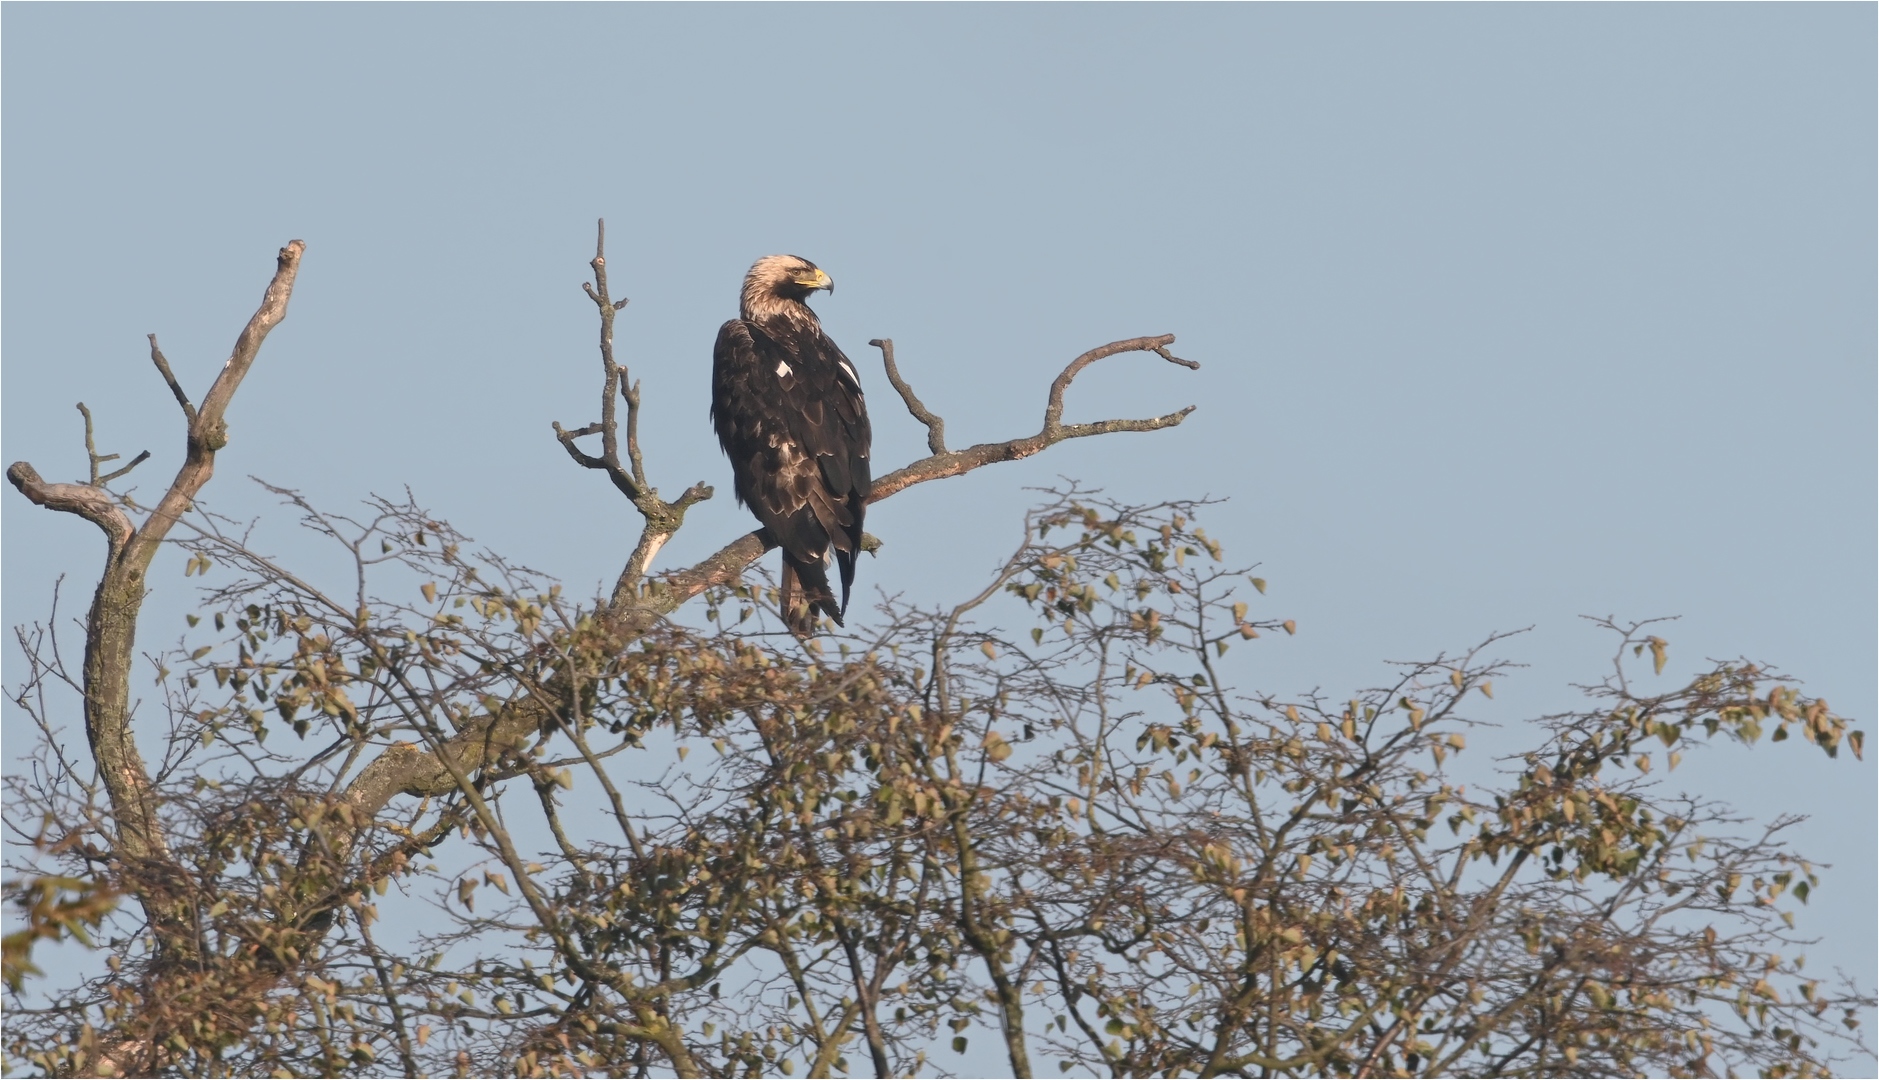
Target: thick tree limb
<point>208,431</point>
<point>111,626</point>
<point>93,504</point>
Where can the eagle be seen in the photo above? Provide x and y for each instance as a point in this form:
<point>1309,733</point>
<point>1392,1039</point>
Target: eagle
<point>790,414</point>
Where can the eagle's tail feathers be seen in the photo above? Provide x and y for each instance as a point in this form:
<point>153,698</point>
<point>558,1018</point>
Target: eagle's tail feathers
<point>805,592</point>
<point>845,561</point>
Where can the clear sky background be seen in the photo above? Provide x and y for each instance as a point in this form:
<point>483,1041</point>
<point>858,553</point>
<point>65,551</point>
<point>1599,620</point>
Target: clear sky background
<point>1508,314</point>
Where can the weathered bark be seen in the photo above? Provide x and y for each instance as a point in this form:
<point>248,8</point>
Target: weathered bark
<point>111,627</point>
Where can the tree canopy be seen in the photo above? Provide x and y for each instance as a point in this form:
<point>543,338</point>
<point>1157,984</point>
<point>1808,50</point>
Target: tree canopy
<point>431,814</point>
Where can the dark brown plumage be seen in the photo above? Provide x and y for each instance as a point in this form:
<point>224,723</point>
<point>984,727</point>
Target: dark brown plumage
<point>789,412</point>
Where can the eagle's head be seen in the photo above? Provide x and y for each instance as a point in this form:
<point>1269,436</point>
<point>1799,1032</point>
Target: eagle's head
<point>777,285</point>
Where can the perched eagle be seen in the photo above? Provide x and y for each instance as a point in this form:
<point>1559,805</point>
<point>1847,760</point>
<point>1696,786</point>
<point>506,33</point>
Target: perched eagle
<point>789,413</point>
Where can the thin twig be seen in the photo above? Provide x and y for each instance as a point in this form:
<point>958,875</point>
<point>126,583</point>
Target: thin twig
<point>935,426</point>
<point>97,459</point>
<point>631,394</point>
<point>581,457</point>
<point>91,447</point>
<point>631,483</point>
<point>134,462</point>
<point>1053,407</point>
<point>163,365</point>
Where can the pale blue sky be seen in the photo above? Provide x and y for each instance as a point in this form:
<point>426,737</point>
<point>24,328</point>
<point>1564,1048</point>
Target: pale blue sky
<point>1508,313</point>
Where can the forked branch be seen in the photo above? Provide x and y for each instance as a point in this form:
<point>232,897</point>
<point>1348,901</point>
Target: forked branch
<point>111,625</point>
<point>943,463</point>
<point>661,518</point>
<point>96,459</point>
<point>208,430</point>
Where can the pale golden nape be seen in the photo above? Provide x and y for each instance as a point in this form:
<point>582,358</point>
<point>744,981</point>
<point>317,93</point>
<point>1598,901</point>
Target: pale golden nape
<point>777,285</point>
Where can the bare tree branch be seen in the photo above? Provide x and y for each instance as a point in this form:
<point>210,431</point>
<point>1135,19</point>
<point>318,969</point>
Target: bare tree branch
<point>954,463</point>
<point>163,365</point>
<point>96,459</point>
<point>960,462</point>
<point>632,483</point>
<point>935,426</point>
<point>111,627</point>
<point>208,431</point>
<point>661,518</point>
<point>91,503</point>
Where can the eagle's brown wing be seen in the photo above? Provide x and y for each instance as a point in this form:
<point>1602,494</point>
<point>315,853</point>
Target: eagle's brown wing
<point>790,414</point>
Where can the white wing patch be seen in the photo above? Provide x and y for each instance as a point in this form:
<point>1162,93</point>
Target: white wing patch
<point>782,369</point>
<point>854,378</point>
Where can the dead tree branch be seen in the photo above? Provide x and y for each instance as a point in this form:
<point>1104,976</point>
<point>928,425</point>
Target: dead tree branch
<point>208,431</point>
<point>111,627</point>
<point>96,459</point>
<point>163,365</point>
<point>935,426</point>
<point>959,462</point>
<point>93,504</point>
<point>661,518</point>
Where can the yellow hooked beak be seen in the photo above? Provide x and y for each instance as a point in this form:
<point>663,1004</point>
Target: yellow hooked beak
<point>817,280</point>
